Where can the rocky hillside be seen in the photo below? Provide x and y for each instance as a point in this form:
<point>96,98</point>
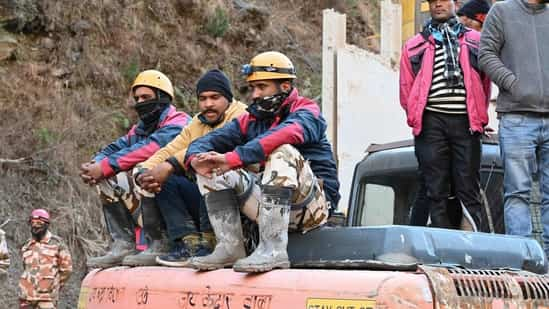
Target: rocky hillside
<point>65,70</point>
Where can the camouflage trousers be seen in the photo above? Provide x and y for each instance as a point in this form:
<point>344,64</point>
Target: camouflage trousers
<point>285,167</point>
<point>24,304</point>
<point>122,188</point>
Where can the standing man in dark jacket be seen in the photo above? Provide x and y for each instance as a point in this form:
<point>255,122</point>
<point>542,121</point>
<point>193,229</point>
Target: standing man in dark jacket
<point>514,52</point>
<point>283,135</point>
<point>445,97</point>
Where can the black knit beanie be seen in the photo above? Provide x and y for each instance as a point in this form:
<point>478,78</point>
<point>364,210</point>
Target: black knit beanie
<point>215,80</point>
<point>475,9</point>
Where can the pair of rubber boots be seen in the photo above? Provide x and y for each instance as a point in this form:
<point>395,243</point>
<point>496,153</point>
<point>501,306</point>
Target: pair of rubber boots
<point>274,216</point>
<point>121,227</point>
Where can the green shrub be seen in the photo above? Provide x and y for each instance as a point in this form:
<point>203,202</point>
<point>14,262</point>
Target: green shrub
<point>46,136</point>
<point>218,23</point>
<point>131,70</point>
<point>121,121</point>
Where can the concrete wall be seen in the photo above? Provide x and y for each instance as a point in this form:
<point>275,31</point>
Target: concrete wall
<point>368,109</point>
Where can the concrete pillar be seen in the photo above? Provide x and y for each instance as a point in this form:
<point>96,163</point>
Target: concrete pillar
<point>391,31</point>
<point>333,37</point>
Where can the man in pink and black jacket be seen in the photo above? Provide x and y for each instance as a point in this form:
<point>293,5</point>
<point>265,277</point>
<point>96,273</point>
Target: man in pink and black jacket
<point>445,97</point>
<point>110,170</point>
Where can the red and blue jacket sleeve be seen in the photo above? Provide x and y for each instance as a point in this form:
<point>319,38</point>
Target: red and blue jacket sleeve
<point>114,147</point>
<point>220,140</point>
<point>121,156</point>
<point>304,125</point>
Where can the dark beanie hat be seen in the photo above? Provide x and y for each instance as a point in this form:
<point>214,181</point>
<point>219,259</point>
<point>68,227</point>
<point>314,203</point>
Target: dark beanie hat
<point>475,9</point>
<point>215,80</point>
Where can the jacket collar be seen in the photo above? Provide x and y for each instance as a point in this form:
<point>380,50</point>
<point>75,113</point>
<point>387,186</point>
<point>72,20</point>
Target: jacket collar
<point>294,94</point>
<point>531,8</point>
<point>427,36</point>
<point>232,106</point>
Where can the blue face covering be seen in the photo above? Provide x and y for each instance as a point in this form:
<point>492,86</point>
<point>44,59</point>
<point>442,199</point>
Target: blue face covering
<point>447,34</point>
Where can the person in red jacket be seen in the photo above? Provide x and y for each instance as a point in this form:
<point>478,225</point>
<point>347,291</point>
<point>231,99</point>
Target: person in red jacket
<point>445,97</point>
<point>274,164</point>
<point>110,170</point>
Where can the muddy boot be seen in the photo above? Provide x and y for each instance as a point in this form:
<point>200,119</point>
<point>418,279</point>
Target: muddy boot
<point>121,227</point>
<point>274,217</point>
<point>155,235</point>
<point>224,214</point>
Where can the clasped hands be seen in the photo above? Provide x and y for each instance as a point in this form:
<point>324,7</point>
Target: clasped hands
<point>206,164</point>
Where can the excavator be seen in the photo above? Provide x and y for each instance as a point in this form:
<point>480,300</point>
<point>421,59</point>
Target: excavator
<point>367,256</point>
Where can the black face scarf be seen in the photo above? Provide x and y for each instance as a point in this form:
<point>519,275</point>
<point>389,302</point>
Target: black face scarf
<point>149,111</point>
<point>39,232</point>
<point>268,107</point>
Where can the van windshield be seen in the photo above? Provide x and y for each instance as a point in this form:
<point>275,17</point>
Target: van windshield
<point>387,199</point>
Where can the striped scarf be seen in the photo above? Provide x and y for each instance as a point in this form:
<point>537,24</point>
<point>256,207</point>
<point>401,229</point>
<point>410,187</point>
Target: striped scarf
<point>447,33</point>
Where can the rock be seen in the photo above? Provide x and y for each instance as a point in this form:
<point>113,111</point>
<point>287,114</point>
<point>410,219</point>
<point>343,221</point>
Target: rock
<point>255,15</point>
<point>24,16</point>
<point>48,43</point>
<point>81,27</point>
<point>186,7</point>
<point>249,8</point>
<point>8,45</point>
<point>60,72</point>
<point>75,56</point>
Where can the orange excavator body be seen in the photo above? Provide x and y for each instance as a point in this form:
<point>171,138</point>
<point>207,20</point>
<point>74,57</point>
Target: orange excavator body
<point>426,287</point>
<point>162,288</point>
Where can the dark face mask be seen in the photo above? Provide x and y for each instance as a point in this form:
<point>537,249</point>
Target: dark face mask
<point>269,106</point>
<point>149,111</point>
<point>39,232</point>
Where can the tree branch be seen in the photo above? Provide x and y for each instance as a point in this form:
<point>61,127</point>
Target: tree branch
<point>15,161</point>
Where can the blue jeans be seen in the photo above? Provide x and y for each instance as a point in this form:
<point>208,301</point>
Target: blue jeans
<point>180,203</point>
<point>524,142</point>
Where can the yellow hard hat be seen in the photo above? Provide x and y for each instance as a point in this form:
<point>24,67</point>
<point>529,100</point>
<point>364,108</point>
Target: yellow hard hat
<point>269,65</point>
<point>155,79</point>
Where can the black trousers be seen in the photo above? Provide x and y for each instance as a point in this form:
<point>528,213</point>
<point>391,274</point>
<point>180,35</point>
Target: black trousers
<point>419,214</point>
<point>449,153</point>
